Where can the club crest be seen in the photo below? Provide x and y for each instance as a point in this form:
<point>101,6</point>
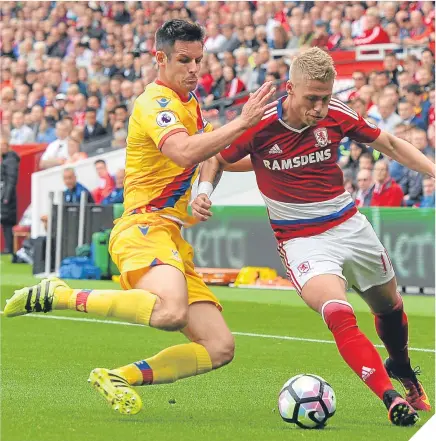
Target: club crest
<point>322,137</point>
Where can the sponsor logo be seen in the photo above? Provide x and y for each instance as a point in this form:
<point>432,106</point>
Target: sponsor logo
<point>176,255</point>
<point>275,150</point>
<point>165,119</point>
<point>298,161</point>
<point>367,372</point>
<point>163,102</point>
<point>304,267</point>
<point>322,137</point>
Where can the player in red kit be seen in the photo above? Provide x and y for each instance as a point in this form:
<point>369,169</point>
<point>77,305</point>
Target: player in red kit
<point>324,242</point>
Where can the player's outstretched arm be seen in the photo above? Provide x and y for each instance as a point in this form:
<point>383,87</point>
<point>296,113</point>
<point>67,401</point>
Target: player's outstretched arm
<point>210,175</point>
<point>187,151</point>
<point>404,153</point>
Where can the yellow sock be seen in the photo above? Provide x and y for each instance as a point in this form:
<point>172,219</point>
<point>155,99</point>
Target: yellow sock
<point>169,365</point>
<point>133,305</point>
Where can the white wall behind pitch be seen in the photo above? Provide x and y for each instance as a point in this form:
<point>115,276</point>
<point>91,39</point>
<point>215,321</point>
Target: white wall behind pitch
<point>234,188</point>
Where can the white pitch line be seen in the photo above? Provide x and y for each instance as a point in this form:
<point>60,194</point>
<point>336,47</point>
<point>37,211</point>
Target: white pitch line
<point>244,334</point>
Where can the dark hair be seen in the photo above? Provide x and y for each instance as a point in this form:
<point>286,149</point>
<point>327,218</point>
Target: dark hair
<point>91,109</point>
<point>96,96</point>
<point>121,106</point>
<point>100,161</point>
<point>385,73</point>
<point>427,49</point>
<point>177,30</point>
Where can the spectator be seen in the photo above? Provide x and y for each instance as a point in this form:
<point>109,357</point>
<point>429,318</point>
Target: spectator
<point>428,193</point>
<point>74,152</point>
<point>420,141</point>
<point>404,79</point>
<point>233,85</point>
<point>20,134</point>
<point>74,189</point>
<point>386,192</point>
<point>56,152</point>
<point>407,114</point>
<point>349,186</point>
<point>421,107</point>
<point>261,57</point>
<point>122,115</point>
<point>391,93</point>
<point>307,34</point>
<point>8,192</point>
<point>389,119</point>
<point>372,33</point>
<point>106,184</point>
<point>359,106</point>
<point>335,38</point>
<point>364,188</point>
<point>424,79</point>
<point>215,40</point>
<point>366,162</point>
<point>117,194</point>
<point>128,71</point>
<point>46,132</point>
<point>360,80</point>
<point>94,102</point>
<point>427,60</point>
<point>243,68</point>
<point>280,39</point>
<point>352,166</point>
<point>419,33</point>
<point>231,42</point>
<point>357,14</point>
<point>218,85</point>
<point>320,36</point>
<point>93,129</point>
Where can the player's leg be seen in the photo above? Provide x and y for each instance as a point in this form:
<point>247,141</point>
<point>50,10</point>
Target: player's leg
<point>155,287</point>
<point>178,361</point>
<point>374,280</point>
<point>317,273</point>
<point>391,324</point>
<point>212,343</point>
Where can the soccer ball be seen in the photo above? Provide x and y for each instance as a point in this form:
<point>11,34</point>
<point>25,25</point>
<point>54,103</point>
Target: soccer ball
<point>307,400</point>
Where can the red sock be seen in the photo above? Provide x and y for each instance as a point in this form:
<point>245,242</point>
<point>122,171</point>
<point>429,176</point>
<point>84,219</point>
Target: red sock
<point>393,330</point>
<point>358,352</point>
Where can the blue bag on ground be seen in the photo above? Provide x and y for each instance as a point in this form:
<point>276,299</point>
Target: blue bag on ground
<point>79,268</point>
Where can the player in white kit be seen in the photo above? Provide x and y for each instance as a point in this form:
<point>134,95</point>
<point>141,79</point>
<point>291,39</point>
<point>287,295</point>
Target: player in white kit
<point>324,242</point>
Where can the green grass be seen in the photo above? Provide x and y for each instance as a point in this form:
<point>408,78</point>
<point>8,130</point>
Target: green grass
<point>45,364</point>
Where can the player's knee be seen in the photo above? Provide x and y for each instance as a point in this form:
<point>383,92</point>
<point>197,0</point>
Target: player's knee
<point>338,313</point>
<point>221,351</point>
<point>174,320</point>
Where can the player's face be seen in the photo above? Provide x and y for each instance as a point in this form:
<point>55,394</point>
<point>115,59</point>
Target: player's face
<point>310,100</point>
<point>182,67</point>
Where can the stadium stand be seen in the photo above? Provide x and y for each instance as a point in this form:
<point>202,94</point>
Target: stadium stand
<point>60,60</point>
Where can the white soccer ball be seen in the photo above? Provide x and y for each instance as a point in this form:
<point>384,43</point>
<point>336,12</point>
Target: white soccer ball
<point>307,400</point>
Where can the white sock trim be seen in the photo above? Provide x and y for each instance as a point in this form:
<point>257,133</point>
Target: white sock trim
<point>342,302</point>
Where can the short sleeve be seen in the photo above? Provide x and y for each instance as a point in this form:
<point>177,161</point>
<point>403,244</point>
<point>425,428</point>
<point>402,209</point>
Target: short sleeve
<point>353,125</point>
<point>238,149</point>
<point>159,123</point>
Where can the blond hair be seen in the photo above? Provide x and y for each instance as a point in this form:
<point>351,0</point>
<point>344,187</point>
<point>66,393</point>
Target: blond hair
<point>313,64</point>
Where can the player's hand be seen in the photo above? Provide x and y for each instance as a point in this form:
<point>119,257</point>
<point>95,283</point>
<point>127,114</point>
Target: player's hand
<point>201,207</point>
<point>257,104</point>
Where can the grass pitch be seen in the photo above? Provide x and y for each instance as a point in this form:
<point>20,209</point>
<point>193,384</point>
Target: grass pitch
<point>46,362</point>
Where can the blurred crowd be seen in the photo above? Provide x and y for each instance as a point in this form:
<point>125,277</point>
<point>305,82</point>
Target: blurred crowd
<point>70,71</point>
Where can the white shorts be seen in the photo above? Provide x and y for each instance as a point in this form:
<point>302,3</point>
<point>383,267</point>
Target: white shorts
<point>351,251</point>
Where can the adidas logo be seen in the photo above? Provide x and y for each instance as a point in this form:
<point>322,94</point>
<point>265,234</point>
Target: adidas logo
<point>367,372</point>
<point>275,149</point>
